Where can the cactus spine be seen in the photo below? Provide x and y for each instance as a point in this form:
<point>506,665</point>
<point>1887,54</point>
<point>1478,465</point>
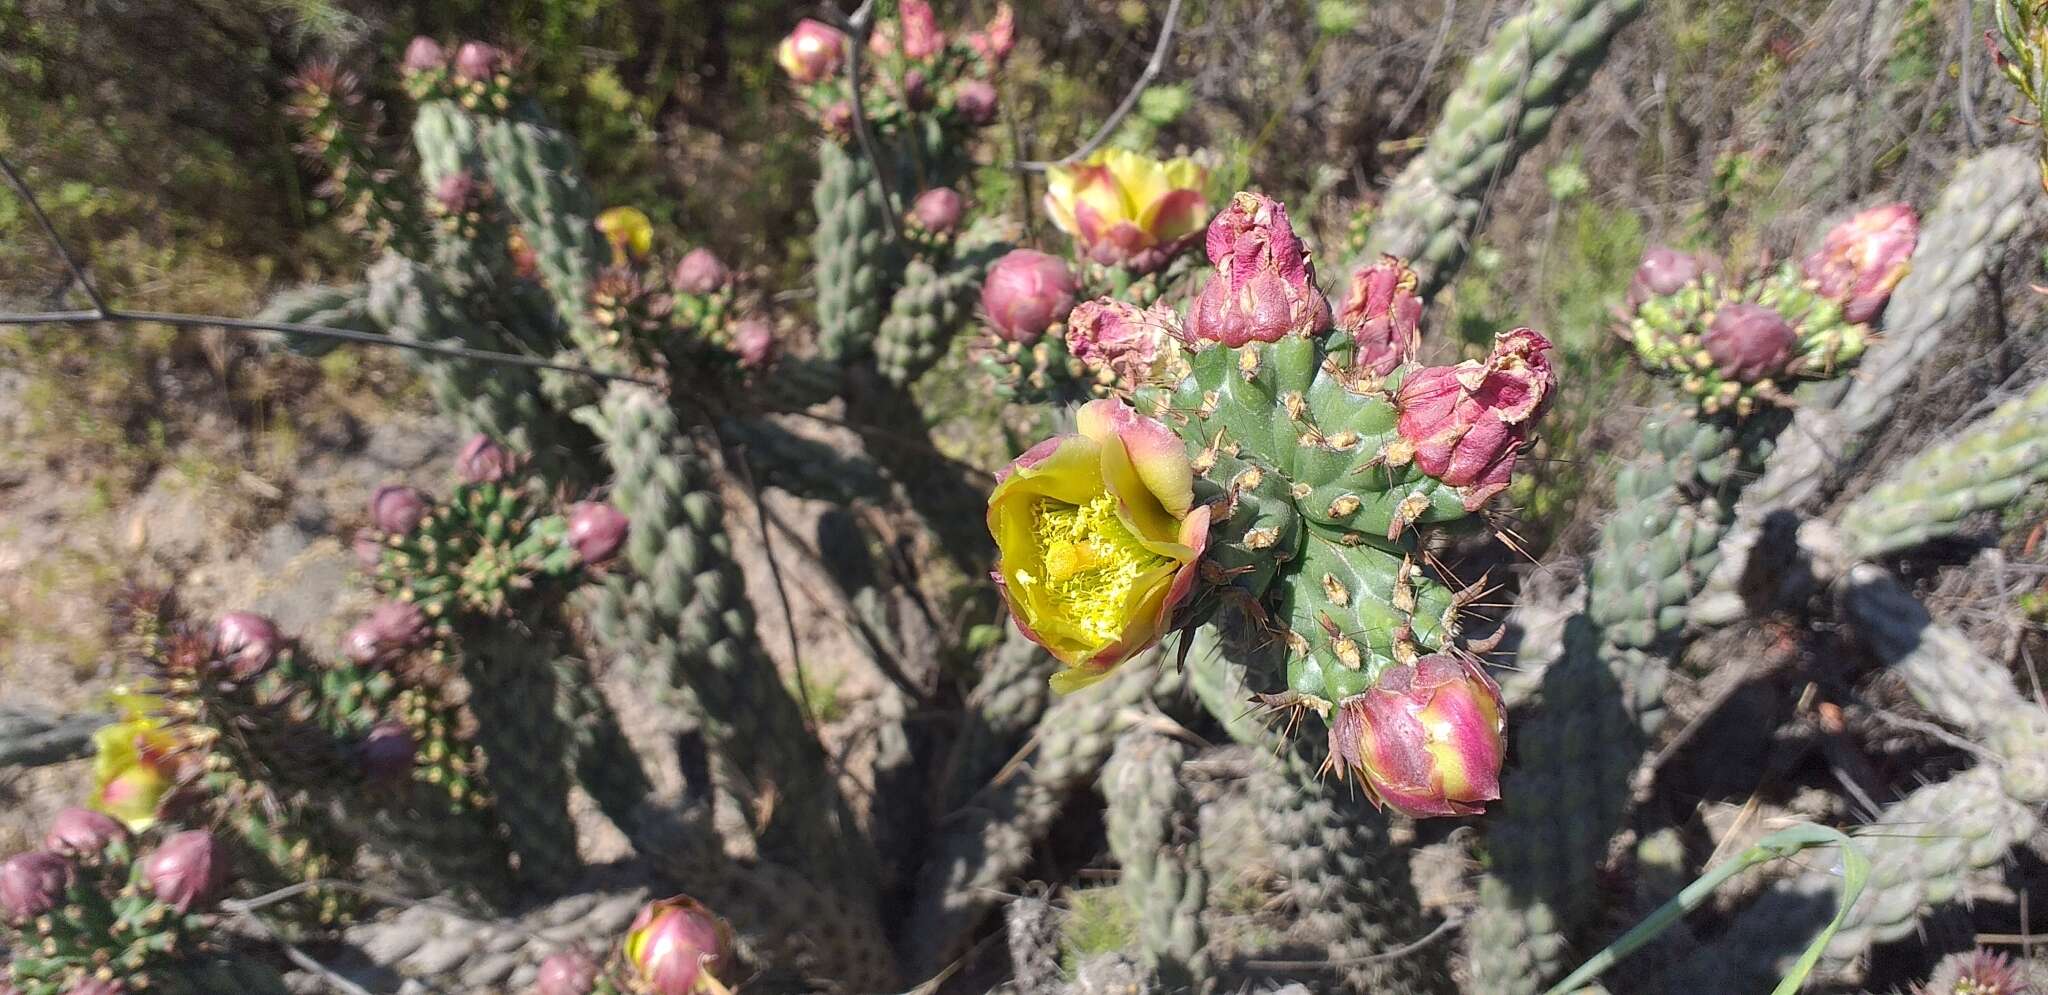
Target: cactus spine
<point>1154,834</point>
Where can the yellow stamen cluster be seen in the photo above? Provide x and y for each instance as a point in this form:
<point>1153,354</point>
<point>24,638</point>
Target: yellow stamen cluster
<point>1091,560</point>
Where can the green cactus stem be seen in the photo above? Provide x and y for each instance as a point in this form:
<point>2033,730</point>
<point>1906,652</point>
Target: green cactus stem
<point>1535,63</point>
<point>513,689</point>
<point>1988,465</point>
<point>936,300</point>
<point>858,263</point>
<point>1153,832</point>
<point>1001,712</point>
<point>319,304</point>
<point>606,764</point>
<point>445,952</point>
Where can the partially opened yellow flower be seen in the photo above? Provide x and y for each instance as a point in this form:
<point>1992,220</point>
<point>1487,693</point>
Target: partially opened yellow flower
<point>1098,539</point>
<point>136,763</point>
<point>1128,209</point>
<point>630,233</point>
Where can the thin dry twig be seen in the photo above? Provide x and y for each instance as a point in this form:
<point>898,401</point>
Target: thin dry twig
<point>1130,102</point>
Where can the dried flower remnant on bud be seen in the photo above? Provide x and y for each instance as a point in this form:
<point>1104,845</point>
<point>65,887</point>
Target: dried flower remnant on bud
<point>1383,314</point>
<point>922,38</point>
<point>755,343</point>
<point>185,869</point>
<point>976,102</point>
<point>812,53</point>
<point>1465,424</point>
<point>1749,342</point>
<point>994,42</point>
<point>392,628</point>
<point>596,530</point>
<point>1863,258</point>
<point>701,272</point>
<point>677,947</point>
<point>1264,288</point>
<point>1117,338</point>
<point>571,972</point>
<point>1426,740</point>
<point>247,644</point>
<point>81,832</point>
<point>938,210</point>
<point>1979,972</point>
<point>1663,271</point>
<point>396,509</point>
<point>31,884</point>
<point>1026,293</point>
<point>484,461</point>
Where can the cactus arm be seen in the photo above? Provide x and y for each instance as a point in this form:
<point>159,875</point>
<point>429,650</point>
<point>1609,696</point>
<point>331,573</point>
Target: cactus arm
<point>1153,833</point>
<point>433,948</point>
<point>1512,90</point>
<point>319,304</point>
<point>31,738</point>
<point>513,688</point>
<point>533,169</point>
<point>606,764</point>
<point>857,260</point>
<point>1988,465</point>
<point>1001,711</point>
<point>933,304</point>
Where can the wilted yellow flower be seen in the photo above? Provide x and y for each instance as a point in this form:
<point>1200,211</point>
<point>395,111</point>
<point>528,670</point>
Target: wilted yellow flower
<point>1128,209</point>
<point>1098,539</point>
<point>629,232</point>
<point>136,763</point>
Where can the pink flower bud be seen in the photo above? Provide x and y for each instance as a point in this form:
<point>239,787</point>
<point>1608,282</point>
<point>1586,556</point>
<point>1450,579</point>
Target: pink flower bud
<point>424,54</point>
<point>1027,292</point>
<point>571,972</point>
<point>701,272</point>
<point>1749,342</point>
<point>1427,739</point>
<point>80,832</point>
<point>478,61</point>
<point>921,36</point>
<point>976,101</point>
<point>837,120</point>
<point>754,341</point>
<point>1465,424</point>
<point>596,530</point>
<point>1265,287</point>
<point>247,643</point>
<point>676,946</point>
<point>456,193</point>
<point>388,753</point>
<point>392,628</point>
<point>367,548</point>
<point>1662,271</point>
<point>917,91</point>
<point>938,210</point>
<point>1109,334</point>
<point>812,52</point>
<point>1863,258</point>
<point>995,42</point>
<point>96,985</point>
<point>484,461</point>
<point>185,870</point>
<point>397,509</point>
<point>1383,314</point>
<point>32,884</point>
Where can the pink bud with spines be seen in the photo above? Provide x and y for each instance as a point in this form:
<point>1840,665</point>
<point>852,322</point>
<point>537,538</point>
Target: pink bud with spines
<point>1749,342</point>
<point>1383,314</point>
<point>1863,258</point>
<point>1115,336</point>
<point>388,753</point>
<point>976,101</point>
<point>478,61</point>
<point>571,972</point>
<point>484,461</point>
<point>1265,288</point>
<point>755,343</point>
<point>392,628</point>
<point>32,884</point>
<point>82,832</point>
<point>676,946</point>
<point>1663,271</point>
<point>424,54</point>
<point>700,272</point>
<point>1027,292</point>
<point>1427,739</point>
<point>185,870</point>
<point>938,210</point>
<point>812,53</point>
<point>1466,424</point>
<point>995,42</point>
<point>247,644</point>
<point>922,38</point>
<point>837,120</point>
<point>597,530</point>
<point>397,509</point>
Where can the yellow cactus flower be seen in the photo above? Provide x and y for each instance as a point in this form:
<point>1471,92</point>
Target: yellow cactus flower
<point>629,232</point>
<point>136,766</point>
<point>1098,539</point>
<point>1128,209</point>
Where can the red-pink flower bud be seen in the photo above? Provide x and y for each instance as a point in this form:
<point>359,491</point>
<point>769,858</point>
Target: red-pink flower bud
<point>397,509</point>
<point>938,210</point>
<point>80,832</point>
<point>812,52</point>
<point>1662,271</point>
<point>1109,334</point>
<point>484,461</point>
<point>1265,287</point>
<point>456,193</point>
<point>1026,292</point>
<point>32,884</point>
<point>1383,314</point>
<point>922,38</point>
<point>701,272</point>
<point>837,120</point>
<point>388,753</point>
<point>424,54</point>
<point>185,870</point>
<point>995,42</point>
<point>755,342</point>
<point>1863,258</point>
<point>478,61</point>
<point>392,628</point>
<point>596,530</point>
<point>1465,424</point>
<point>917,90</point>
<point>1427,739</point>
<point>247,643</point>
<point>976,101</point>
<point>1749,342</point>
<point>677,947</point>
<point>571,972</point>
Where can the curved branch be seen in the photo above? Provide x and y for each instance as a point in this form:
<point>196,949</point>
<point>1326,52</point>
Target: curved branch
<point>1123,110</point>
